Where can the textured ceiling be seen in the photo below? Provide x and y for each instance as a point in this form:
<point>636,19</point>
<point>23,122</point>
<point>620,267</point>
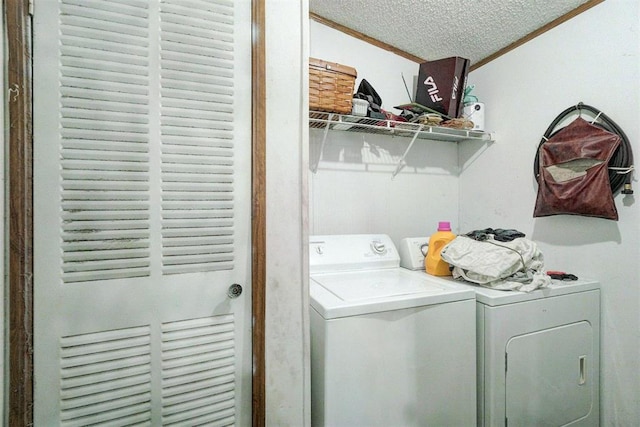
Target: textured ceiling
<point>472,29</point>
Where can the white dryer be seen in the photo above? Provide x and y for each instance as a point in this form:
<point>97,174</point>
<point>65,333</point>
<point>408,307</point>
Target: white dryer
<point>538,352</point>
<point>539,355</point>
<point>389,347</point>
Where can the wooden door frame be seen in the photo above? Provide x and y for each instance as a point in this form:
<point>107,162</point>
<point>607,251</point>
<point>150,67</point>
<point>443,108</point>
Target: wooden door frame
<point>258,210</point>
<point>19,134</point>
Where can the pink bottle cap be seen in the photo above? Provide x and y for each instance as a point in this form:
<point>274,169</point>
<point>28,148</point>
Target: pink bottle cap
<point>444,226</point>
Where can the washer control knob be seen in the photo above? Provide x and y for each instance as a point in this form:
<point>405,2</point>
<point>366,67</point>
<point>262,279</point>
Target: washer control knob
<point>378,247</point>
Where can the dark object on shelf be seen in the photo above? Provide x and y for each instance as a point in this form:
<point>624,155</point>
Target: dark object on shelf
<point>581,166</point>
<point>441,85</point>
<point>368,93</point>
<point>330,86</point>
<point>419,109</point>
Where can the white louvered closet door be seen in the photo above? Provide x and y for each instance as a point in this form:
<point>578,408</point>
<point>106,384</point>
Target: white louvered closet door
<point>142,133</point>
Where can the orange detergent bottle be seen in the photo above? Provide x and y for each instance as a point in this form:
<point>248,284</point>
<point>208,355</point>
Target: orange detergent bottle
<point>434,264</point>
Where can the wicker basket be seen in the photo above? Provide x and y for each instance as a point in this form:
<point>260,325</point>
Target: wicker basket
<point>330,86</point>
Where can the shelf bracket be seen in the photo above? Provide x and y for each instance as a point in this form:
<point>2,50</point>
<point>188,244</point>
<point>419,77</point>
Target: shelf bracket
<point>314,168</point>
<point>401,162</point>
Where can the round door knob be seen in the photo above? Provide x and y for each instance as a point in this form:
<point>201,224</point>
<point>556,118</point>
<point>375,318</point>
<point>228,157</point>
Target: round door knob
<point>234,291</point>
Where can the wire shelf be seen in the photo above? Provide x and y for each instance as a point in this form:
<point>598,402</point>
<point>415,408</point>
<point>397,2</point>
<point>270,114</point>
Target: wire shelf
<point>346,123</point>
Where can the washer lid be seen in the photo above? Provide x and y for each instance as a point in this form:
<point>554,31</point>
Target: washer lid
<point>354,293</point>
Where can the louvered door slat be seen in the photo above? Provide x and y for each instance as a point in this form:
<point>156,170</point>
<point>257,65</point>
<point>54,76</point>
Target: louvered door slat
<point>178,242</point>
<point>87,276</point>
<point>124,98</point>
<point>97,226</point>
<point>106,105</point>
<point>97,145</point>
<point>123,158</point>
<point>193,103</point>
<point>190,232</point>
<point>223,350</point>
<point>90,195</point>
<point>117,215</point>
<point>217,182</point>
<point>195,154</point>
<point>98,112</point>
<point>80,30</point>
<point>79,166</point>
<point>212,342</point>
<point>219,212</point>
<point>96,124</point>
<point>130,372</point>
<point>104,267</point>
<point>78,184</point>
<point>104,245</point>
<point>102,175</point>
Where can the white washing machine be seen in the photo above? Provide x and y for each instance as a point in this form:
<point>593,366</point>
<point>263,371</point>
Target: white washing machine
<point>389,347</point>
<point>539,355</point>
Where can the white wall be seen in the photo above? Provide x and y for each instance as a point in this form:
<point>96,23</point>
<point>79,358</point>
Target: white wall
<point>593,58</point>
<point>353,190</point>
<point>287,301</point>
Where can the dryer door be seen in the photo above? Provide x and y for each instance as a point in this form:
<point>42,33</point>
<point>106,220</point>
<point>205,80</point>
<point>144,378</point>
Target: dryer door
<point>549,376</point>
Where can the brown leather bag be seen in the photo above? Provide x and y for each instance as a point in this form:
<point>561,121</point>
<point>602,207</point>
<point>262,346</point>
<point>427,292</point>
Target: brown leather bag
<point>573,176</point>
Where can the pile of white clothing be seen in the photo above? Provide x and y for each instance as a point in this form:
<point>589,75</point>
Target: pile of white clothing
<point>516,265</point>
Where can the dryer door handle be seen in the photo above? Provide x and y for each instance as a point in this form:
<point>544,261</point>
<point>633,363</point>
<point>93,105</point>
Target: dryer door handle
<point>582,361</point>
